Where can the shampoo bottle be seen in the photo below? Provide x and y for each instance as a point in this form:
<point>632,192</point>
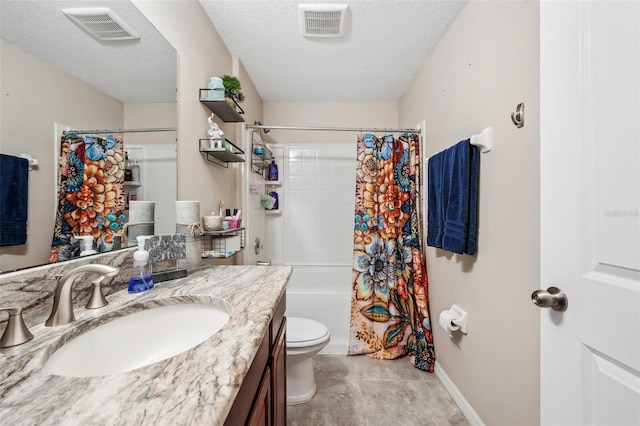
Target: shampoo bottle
<point>273,171</point>
<point>276,205</point>
<point>135,172</point>
<point>128,177</point>
<point>141,280</point>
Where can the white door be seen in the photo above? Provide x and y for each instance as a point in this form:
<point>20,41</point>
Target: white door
<point>590,203</point>
<point>160,184</point>
<point>159,177</point>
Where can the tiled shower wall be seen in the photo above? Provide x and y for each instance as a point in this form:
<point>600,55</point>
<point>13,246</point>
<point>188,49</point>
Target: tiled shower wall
<point>317,203</point>
<point>314,233</point>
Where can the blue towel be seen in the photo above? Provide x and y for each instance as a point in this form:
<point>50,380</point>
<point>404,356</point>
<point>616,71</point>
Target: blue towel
<point>14,192</point>
<point>453,198</point>
<point>474,168</point>
<point>435,203</point>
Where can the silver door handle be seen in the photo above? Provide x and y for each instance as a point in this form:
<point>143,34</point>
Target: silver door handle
<point>552,297</point>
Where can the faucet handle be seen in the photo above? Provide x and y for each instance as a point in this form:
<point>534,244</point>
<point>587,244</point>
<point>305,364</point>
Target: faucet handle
<point>97,299</point>
<point>16,332</point>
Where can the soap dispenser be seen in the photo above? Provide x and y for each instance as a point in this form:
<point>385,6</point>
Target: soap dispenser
<point>141,280</point>
<point>86,245</point>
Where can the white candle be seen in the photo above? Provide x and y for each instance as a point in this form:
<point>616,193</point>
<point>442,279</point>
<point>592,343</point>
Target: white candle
<point>187,211</point>
<point>142,211</point>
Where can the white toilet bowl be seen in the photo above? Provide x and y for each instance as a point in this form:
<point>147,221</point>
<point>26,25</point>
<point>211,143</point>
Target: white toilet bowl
<point>305,338</point>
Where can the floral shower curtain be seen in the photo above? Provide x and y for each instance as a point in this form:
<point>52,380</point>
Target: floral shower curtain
<point>389,304</point>
<point>90,194</point>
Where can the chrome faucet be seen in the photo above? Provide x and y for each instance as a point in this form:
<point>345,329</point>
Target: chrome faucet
<point>62,312</point>
<point>16,332</point>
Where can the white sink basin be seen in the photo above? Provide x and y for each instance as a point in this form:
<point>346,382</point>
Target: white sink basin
<point>137,340</point>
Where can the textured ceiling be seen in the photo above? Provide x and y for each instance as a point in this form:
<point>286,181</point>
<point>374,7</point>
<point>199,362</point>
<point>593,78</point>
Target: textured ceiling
<point>141,70</point>
<point>385,44</point>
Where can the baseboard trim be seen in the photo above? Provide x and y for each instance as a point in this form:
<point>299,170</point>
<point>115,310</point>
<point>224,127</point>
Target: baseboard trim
<point>462,403</point>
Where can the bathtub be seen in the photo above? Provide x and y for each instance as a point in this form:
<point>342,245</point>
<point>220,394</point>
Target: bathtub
<point>323,293</point>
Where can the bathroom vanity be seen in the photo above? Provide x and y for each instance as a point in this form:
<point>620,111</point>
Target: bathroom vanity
<point>262,399</point>
<point>235,377</point>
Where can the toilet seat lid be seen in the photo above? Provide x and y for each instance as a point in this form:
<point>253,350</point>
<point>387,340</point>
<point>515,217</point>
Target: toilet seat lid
<point>304,330</point>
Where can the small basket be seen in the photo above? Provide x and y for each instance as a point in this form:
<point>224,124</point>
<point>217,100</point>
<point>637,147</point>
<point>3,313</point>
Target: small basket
<point>233,222</point>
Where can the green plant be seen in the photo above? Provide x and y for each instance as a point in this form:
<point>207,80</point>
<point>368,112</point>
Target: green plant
<point>232,88</point>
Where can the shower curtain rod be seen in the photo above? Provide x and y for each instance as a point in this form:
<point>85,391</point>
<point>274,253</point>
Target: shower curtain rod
<point>150,130</point>
<point>335,129</point>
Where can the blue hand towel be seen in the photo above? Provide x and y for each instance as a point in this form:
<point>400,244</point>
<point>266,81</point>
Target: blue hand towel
<point>474,167</point>
<point>453,198</point>
<point>14,194</point>
<point>435,202</point>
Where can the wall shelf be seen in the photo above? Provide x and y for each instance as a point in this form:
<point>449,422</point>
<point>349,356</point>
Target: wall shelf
<point>222,244</point>
<point>132,183</point>
<point>222,108</point>
<point>220,156</point>
<point>260,162</point>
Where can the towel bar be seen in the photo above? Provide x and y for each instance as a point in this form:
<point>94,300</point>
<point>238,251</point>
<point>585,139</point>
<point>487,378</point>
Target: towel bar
<point>32,161</point>
<point>484,140</point>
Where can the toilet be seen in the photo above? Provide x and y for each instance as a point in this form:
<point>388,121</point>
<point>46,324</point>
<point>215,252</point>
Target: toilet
<point>305,338</point>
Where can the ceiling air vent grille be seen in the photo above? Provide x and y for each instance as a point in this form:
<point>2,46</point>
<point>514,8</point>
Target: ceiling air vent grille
<point>322,20</point>
<point>101,22</point>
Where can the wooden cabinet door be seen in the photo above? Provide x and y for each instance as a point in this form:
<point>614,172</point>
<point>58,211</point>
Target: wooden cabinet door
<point>261,411</point>
<point>279,377</point>
<point>243,405</point>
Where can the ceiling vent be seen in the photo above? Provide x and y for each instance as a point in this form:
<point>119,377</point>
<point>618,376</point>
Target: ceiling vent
<point>322,20</point>
<point>101,22</point>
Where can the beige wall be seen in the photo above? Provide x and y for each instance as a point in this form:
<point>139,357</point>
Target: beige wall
<point>486,64</point>
<point>35,95</point>
<point>147,116</point>
<point>327,114</point>
<point>253,104</point>
<point>201,55</point>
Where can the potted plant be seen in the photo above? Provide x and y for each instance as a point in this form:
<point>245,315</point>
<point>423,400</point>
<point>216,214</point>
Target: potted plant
<point>232,88</point>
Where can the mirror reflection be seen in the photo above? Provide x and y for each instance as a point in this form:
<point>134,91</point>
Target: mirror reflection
<point>56,77</point>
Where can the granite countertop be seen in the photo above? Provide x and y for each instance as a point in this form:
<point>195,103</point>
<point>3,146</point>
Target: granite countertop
<point>193,388</point>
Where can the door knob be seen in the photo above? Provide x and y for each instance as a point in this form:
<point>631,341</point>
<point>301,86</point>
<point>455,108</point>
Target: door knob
<point>552,297</point>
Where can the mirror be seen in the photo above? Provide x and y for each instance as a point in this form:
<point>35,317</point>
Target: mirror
<point>53,73</point>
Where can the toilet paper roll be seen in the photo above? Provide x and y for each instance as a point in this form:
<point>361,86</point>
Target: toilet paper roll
<point>445,321</point>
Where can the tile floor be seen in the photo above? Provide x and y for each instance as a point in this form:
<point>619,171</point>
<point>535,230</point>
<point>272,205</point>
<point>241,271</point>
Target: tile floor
<point>361,391</point>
